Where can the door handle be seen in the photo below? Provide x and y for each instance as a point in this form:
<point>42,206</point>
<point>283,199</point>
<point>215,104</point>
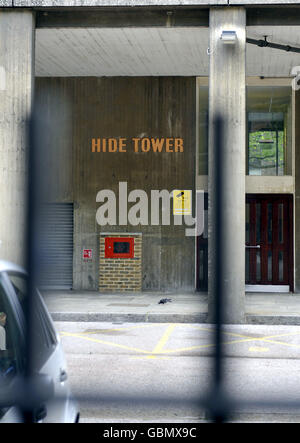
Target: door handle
<point>257,246</point>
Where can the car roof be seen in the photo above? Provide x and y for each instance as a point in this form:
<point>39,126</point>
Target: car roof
<point>9,266</point>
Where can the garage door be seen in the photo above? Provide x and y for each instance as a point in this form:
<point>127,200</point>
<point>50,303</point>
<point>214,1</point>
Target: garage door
<point>56,270</point>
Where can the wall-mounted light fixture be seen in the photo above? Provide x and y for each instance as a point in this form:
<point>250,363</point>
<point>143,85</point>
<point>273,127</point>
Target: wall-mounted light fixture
<point>229,37</point>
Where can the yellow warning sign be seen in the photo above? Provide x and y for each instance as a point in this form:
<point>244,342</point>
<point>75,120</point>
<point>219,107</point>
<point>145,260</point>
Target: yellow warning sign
<point>182,202</point>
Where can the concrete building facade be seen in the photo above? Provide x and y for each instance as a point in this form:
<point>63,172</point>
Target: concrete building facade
<point>129,92</point>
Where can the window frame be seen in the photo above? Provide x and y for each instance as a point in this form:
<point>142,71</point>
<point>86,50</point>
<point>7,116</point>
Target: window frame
<point>289,152</point>
<point>46,329</point>
<point>19,320</point>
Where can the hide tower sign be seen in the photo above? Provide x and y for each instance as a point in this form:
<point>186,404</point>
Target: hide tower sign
<point>137,145</point>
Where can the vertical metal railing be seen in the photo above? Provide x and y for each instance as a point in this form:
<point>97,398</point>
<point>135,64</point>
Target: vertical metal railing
<point>217,407</point>
<point>36,391</point>
<point>31,226</point>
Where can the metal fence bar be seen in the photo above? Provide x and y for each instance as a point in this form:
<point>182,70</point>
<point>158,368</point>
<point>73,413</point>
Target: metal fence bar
<point>36,389</point>
<point>218,413</point>
<point>219,404</point>
<point>218,223</point>
<point>31,221</point>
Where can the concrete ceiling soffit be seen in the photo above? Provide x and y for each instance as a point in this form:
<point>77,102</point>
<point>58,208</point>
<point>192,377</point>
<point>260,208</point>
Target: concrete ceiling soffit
<point>130,3</point>
<point>264,2</point>
<point>107,3</point>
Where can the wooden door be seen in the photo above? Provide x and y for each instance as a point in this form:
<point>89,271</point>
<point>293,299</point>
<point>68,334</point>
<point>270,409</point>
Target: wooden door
<point>269,242</point>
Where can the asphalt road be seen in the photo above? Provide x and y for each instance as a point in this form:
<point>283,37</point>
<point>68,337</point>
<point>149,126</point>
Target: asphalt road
<point>174,361</point>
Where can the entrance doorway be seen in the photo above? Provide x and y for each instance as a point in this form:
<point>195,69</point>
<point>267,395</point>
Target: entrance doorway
<point>269,251</point>
<point>268,248</point>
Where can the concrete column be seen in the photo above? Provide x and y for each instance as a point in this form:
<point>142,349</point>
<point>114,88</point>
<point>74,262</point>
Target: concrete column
<point>227,98</point>
<point>297,194</point>
<point>16,87</point>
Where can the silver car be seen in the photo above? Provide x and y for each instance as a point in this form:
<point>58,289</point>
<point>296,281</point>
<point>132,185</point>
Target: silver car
<point>49,359</point>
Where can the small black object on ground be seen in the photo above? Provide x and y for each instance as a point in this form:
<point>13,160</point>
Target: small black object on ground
<point>164,300</point>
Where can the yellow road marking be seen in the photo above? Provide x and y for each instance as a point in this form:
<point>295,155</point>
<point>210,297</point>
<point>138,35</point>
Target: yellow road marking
<point>96,340</point>
<point>243,340</point>
<point>276,342</point>
<point>114,329</point>
<point>239,334</point>
<point>151,357</point>
<point>163,340</point>
<point>158,348</point>
<point>258,349</point>
<point>209,345</point>
<point>266,338</point>
<point>263,338</point>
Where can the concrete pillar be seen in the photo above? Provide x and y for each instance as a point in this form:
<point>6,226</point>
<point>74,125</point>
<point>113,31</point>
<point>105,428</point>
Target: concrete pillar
<point>227,97</point>
<point>16,87</point>
<point>297,193</point>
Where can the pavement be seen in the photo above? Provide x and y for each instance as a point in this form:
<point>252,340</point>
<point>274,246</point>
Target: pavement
<point>92,306</point>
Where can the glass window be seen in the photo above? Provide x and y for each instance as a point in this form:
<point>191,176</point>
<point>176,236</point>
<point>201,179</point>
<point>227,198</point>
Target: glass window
<point>258,266</point>
<point>280,265</point>
<point>203,130</point>
<point>269,147</point>
<point>269,130</point>
<point>121,247</point>
<point>247,265</point>
<point>270,271</point>
<point>258,218</point>
<point>270,219</point>
<point>11,343</point>
<point>247,222</point>
<point>11,350</point>
<point>280,222</point>
<point>45,336</point>
<point>201,256</point>
<point>20,286</point>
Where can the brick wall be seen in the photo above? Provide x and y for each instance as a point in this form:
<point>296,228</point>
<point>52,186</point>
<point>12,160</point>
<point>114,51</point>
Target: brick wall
<point>121,274</point>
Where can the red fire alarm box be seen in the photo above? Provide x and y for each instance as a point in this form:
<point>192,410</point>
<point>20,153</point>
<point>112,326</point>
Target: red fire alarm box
<point>119,247</point>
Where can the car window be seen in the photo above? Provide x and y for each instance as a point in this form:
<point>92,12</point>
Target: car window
<point>44,334</point>
<point>11,343</point>
<point>11,340</point>
<point>20,285</point>
<point>47,324</point>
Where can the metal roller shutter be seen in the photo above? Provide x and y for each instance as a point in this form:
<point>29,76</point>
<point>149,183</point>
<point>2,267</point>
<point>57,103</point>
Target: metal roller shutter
<point>56,259</point>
